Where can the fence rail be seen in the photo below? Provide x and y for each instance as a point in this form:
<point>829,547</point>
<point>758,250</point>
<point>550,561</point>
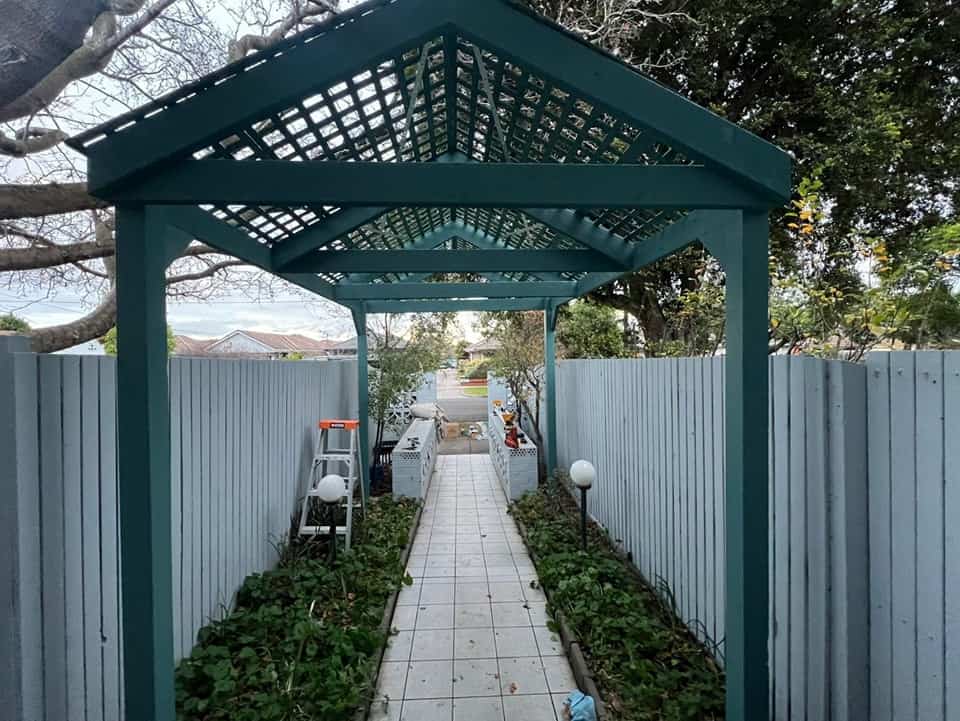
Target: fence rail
<point>864,493</point>
<point>243,435</point>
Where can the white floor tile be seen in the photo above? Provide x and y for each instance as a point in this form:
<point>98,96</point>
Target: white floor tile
<point>475,677</point>
<point>429,679</point>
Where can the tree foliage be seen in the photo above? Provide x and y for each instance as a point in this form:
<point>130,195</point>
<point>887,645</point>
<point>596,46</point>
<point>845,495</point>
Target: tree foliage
<point>10,322</point>
<point>109,341</point>
<point>589,330</point>
<point>864,95</point>
<point>519,362</point>
<point>398,363</point>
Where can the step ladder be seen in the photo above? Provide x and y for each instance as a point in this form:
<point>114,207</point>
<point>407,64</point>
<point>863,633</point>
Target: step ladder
<point>342,461</point>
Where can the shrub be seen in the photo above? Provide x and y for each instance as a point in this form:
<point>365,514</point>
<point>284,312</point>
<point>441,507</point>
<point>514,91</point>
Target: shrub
<point>303,639</point>
<point>475,369</point>
<point>646,662</point>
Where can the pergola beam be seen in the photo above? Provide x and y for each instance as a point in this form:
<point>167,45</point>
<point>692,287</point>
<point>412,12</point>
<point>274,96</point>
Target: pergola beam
<point>336,226</point>
<point>455,229</point>
<point>438,185</point>
<point>453,261</point>
<point>430,291</point>
<point>710,227</point>
<point>584,231</point>
<point>223,236</point>
<point>452,306</point>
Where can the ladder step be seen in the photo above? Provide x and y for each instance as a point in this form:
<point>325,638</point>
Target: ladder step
<point>321,530</point>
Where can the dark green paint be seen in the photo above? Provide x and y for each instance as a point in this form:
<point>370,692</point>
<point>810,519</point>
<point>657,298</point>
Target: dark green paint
<point>301,245</point>
<point>452,261</point>
<point>143,465</point>
<point>363,397</point>
<point>438,185</point>
<point>612,84</point>
<point>747,521</point>
<point>428,291</point>
<point>258,92</point>
<point>452,306</point>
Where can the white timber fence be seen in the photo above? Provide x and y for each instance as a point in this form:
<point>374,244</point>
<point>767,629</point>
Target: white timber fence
<point>242,441</point>
<point>864,502</point>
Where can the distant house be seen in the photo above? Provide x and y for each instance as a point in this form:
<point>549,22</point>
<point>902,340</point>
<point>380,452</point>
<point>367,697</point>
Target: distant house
<point>348,348</point>
<point>482,349</point>
<point>184,345</point>
<point>254,344</point>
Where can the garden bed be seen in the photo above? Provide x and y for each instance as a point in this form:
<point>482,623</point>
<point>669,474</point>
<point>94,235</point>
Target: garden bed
<point>305,641</point>
<point>645,662</point>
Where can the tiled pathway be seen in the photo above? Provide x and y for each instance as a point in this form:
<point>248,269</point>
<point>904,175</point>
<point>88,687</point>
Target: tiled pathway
<point>472,641</point>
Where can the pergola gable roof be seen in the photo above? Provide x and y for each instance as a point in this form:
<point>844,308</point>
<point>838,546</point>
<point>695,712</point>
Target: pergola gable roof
<point>446,82</point>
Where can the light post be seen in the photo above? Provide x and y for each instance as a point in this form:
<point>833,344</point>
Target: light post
<point>330,490</point>
<point>583,474</point>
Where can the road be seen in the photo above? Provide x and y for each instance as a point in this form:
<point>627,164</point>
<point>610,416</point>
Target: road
<point>459,408</point>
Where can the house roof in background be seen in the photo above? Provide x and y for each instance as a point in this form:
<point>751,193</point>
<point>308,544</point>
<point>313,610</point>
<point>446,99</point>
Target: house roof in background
<point>272,342</point>
<point>487,344</point>
<point>287,342</point>
<point>185,345</point>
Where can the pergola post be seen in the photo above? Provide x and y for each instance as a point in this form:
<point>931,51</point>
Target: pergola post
<point>747,514</point>
<point>363,397</point>
<point>143,462</point>
<point>550,376</point>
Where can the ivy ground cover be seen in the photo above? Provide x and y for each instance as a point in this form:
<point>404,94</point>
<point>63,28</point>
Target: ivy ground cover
<point>646,663</point>
<point>304,638</point>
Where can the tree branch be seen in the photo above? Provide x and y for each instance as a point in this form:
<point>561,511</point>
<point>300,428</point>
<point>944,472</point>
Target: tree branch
<point>91,326</point>
<point>31,201</point>
<point>88,59</point>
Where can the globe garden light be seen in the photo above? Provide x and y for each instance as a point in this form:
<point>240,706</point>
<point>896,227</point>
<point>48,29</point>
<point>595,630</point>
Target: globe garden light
<point>330,490</point>
<point>583,474</point>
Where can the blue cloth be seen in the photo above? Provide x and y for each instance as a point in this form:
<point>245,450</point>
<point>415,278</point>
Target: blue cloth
<point>581,707</point>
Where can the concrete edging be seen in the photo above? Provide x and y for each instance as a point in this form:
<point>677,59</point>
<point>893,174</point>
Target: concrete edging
<point>572,646</point>
<point>363,712</point>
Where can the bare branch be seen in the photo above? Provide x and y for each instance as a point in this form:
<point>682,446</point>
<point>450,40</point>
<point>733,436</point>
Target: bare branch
<point>91,326</point>
<point>30,201</point>
<point>30,140</point>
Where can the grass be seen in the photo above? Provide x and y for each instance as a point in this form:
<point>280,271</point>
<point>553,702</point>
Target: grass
<point>647,664</point>
<point>474,391</point>
<point>302,643</point>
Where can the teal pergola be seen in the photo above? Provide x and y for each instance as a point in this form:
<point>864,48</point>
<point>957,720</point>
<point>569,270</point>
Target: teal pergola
<point>432,155</point>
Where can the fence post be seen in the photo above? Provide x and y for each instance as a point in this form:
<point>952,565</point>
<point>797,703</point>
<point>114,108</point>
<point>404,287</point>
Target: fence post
<point>21,672</point>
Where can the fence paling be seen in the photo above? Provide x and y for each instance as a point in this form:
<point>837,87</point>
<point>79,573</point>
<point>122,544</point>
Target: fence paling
<point>864,596</point>
<point>241,445</point>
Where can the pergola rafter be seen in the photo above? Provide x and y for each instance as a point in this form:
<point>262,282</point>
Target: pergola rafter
<point>376,156</point>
